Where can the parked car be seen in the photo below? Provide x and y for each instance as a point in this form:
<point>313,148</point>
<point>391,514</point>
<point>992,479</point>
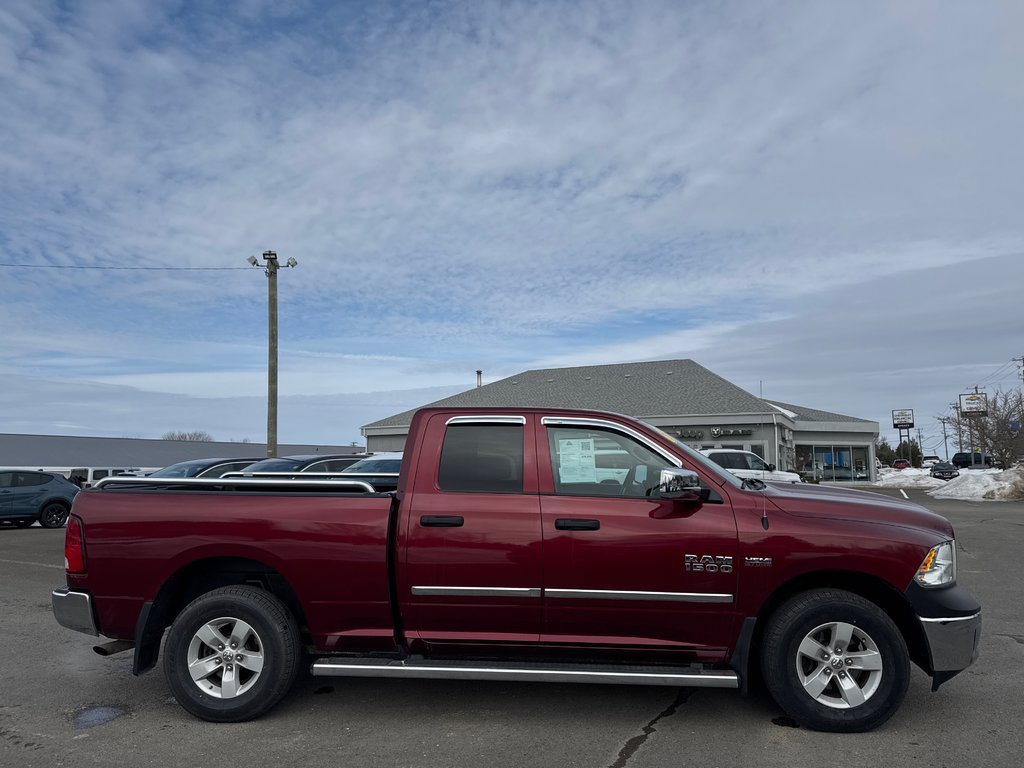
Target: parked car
<point>944,471</point>
<point>842,473</point>
<point>204,467</point>
<point>901,464</point>
<point>27,496</point>
<point>964,460</point>
<point>380,462</point>
<point>927,461</point>
<point>747,464</point>
<point>310,462</point>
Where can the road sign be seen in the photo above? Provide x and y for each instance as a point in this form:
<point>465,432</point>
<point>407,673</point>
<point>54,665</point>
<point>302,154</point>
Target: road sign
<point>903,418</point>
<point>974,404</point>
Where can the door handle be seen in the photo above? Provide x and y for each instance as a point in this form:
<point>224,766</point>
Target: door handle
<point>442,521</point>
<point>573,524</point>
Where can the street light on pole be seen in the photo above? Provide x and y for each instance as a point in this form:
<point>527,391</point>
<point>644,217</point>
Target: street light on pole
<point>270,270</point>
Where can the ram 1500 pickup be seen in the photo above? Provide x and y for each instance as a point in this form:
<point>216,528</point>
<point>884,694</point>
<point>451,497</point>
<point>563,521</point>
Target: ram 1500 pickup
<point>510,552</point>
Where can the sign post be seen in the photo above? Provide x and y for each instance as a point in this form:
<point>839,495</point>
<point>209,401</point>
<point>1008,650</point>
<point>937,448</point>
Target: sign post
<point>903,421</point>
<point>972,405</point>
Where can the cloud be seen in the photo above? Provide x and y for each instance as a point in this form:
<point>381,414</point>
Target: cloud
<point>498,186</point>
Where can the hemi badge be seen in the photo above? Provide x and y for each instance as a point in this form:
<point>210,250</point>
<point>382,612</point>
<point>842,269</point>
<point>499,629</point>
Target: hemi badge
<point>758,562</point>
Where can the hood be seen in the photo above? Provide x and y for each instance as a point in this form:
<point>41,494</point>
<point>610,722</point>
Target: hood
<point>827,502</point>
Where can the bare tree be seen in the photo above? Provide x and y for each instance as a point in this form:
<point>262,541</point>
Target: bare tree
<point>992,433</point>
<point>196,436</point>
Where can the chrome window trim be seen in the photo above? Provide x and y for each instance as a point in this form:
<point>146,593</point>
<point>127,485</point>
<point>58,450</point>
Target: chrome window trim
<point>477,591</point>
<point>611,594</point>
<point>561,421</point>
<point>495,419</point>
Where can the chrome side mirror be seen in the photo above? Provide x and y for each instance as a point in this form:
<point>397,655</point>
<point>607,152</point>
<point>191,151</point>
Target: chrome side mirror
<point>679,484</point>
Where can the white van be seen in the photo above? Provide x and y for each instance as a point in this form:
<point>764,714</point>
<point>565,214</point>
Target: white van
<point>746,464</point>
<point>86,477</point>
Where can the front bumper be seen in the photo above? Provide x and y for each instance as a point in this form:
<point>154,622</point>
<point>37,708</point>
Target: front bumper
<point>951,621</point>
<point>74,610</point>
<point>952,642</point>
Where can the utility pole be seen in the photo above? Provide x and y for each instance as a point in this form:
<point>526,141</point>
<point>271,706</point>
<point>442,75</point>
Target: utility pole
<point>959,427</point>
<point>945,442</point>
<point>270,270</point>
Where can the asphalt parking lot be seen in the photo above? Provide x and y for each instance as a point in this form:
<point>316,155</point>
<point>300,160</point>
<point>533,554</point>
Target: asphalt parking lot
<point>61,704</point>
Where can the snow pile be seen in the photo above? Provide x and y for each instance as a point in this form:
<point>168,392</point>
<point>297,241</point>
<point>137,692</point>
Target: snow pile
<point>991,484</point>
<point>973,484</point>
<point>908,478</point>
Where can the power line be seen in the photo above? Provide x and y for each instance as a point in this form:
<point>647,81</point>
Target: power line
<point>992,376</point>
<point>82,266</point>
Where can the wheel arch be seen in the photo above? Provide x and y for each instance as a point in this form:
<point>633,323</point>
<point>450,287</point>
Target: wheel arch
<point>870,587</point>
<point>194,579</point>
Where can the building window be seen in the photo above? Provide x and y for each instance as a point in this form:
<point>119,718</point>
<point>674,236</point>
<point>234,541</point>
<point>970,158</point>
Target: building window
<point>833,463</point>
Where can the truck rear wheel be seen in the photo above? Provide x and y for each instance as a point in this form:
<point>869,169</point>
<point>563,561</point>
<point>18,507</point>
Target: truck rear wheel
<point>232,654</point>
<point>835,661</point>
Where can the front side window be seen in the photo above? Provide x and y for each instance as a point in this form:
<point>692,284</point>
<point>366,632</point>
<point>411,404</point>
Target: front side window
<point>482,458</point>
<point>755,462</point>
<point>596,462</point>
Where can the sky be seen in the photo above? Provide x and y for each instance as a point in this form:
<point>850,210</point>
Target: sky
<point>819,201</point>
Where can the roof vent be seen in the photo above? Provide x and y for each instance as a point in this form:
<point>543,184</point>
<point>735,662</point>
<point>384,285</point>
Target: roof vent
<point>669,373</point>
<point>628,375</point>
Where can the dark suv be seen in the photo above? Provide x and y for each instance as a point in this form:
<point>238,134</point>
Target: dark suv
<point>962,460</point>
<point>27,496</point>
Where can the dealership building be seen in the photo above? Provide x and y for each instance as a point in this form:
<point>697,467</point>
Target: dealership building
<point>682,397</point>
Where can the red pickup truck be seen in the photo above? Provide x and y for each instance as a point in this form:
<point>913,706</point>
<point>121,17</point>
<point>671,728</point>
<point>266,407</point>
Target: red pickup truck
<point>524,544</point>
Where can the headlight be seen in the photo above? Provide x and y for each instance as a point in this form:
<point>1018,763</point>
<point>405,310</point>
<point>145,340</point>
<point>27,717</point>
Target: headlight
<point>938,569</point>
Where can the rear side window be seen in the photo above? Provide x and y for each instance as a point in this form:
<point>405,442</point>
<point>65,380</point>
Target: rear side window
<point>729,460</point>
<point>23,479</point>
<point>482,458</point>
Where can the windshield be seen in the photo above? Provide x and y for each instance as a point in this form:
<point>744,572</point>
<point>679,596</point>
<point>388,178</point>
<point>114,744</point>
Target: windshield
<point>371,465</point>
<point>182,469</point>
<point>276,465</point>
<point>697,458</point>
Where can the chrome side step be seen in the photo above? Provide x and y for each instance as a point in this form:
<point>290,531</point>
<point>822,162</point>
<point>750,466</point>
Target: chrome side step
<point>609,674</point>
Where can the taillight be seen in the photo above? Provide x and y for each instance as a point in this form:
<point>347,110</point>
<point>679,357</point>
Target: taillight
<point>74,547</point>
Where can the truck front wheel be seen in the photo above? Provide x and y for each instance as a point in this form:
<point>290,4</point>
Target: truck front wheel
<point>232,654</point>
<point>835,661</point>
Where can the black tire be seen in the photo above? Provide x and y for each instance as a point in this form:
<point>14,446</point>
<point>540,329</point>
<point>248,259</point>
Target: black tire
<point>54,514</point>
<point>228,687</point>
<point>855,689</point>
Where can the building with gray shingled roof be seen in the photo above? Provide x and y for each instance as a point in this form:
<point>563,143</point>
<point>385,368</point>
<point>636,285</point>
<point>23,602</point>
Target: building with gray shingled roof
<point>684,398</point>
